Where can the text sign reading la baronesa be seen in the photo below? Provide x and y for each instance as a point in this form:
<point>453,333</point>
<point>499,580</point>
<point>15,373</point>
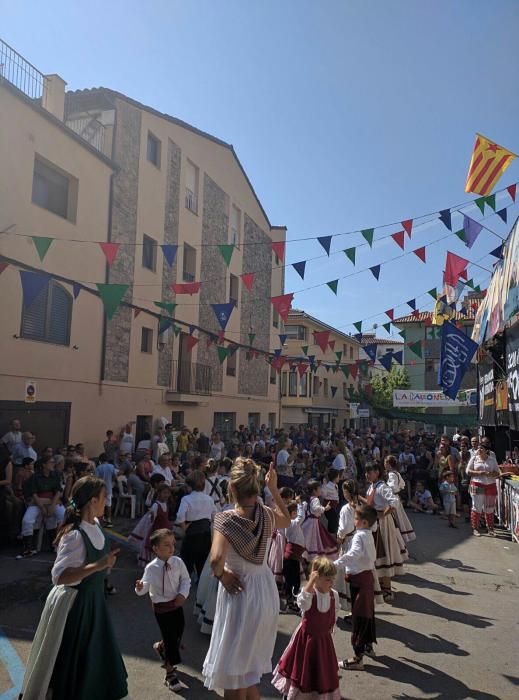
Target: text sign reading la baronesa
<point>405,398</point>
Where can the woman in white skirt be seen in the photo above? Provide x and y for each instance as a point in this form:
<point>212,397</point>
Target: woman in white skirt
<point>391,549</point>
<point>247,607</point>
<point>397,484</point>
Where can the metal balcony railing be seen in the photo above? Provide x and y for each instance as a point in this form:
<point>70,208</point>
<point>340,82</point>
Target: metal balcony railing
<point>191,378</point>
<point>20,73</point>
<point>90,129</point>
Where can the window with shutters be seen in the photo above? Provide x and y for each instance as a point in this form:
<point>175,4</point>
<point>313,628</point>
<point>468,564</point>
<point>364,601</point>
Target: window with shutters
<point>303,385</point>
<point>235,226</point>
<point>231,364</point>
<point>147,340</point>
<point>284,383</point>
<point>191,180</point>
<point>273,375</point>
<point>233,289</point>
<point>153,150</point>
<point>149,253</point>
<point>54,189</point>
<point>189,264</point>
<point>292,383</point>
<point>49,316</point>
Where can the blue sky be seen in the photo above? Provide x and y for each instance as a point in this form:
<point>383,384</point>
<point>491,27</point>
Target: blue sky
<point>345,114</point>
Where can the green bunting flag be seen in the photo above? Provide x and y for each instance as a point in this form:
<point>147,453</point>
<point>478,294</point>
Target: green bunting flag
<point>351,392</point>
<point>470,283</point>
<point>345,371</point>
<point>177,330</point>
<point>477,288</point>
<point>168,306</point>
<point>480,203</point>
<point>338,355</point>
<point>226,249</point>
<point>251,338</point>
<point>403,333</point>
<point>491,201</point>
<point>368,235</point>
<point>111,296</point>
<point>358,326</point>
<point>433,293</point>
<point>42,245</point>
<point>387,326</point>
<point>222,353</point>
<point>304,348</point>
<point>350,253</point>
<point>333,286</point>
<point>460,234</point>
<point>416,348</point>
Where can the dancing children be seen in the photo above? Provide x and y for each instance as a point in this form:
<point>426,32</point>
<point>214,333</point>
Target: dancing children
<point>293,553</point>
<point>167,581</point>
<point>75,652</point>
<point>397,484</point>
<point>309,663</point>
<point>330,496</point>
<point>278,541</point>
<point>195,514</point>
<point>390,547</point>
<point>155,519</point>
<point>358,564</point>
<point>449,491</point>
<point>344,534</point>
<point>318,541</point>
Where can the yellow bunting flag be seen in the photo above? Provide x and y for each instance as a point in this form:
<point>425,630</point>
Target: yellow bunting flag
<point>489,161</point>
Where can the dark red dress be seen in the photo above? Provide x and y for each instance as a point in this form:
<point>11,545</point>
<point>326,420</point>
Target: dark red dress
<point>309,663</point>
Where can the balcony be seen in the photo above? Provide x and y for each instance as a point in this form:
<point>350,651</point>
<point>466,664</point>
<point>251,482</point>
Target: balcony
<point>90,129</point>
<point>189,380</point>
<point>20,73</point>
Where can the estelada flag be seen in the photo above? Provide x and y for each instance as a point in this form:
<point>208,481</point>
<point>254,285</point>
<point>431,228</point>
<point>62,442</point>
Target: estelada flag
<point>489,161</point>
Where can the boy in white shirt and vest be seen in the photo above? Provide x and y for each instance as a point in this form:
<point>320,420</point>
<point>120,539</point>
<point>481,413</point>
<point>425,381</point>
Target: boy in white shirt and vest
<point>358,564</point>
<point>167,581</point>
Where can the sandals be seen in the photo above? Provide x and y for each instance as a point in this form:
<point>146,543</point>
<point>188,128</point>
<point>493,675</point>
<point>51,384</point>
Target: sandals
<point>172,682</point>
<point>353,664</point>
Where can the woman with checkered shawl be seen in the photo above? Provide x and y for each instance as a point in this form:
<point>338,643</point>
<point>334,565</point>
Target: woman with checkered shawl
<point>247,607</point>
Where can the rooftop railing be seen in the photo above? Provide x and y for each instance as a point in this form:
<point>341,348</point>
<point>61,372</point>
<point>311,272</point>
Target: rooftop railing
<point>16,70</point>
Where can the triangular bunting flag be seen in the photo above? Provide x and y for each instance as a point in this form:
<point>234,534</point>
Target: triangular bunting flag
<point>403,333</point>
<point>503,214</point>
<point>3,266</point>
<point>420,253</point>
<point>408,227</point>
<point>177,331</point>
<point>282,338</point>
<point>333,389</point>
<point>331,344</point>
<point>386,361</point>
<point>167,306</point>
<point>192,329</point>
<point>398,357</point>
<point>186,288</point>
<point>371,351</point>
<point>353,371</point>
<point>416,348</point>
<point>32,284</point>
<point>277,363</point>
<point>387,327</point>
<point>76,288</point>
<point>325,241</point>
<point>111,296</point>
<point>299,267</point>
<point>472,230</point>
<point>390,313</point>
<point>412,304</point>
<point>351,392</point>
<point>304,348</point>
<point>222,353</point>
<point>460,234</point>
<point>433,293</point>
<point>511,189</point>
<point>498,252</point>
<point>399,239</point>
<point>136,312</point>
<point>338,355</point>
<point>470,283</point>
<point>226,251</point>
<point>301,368</point>
<point>358,325</point>
<point>248,280</point>
<point>321,339</point>
<point>491,201</point>
<point>464,275</point>
<point>333,285</point>
<point>169,252</point>
<point>110,251</point>
<point>445,218</point>
<point>191,341</point>
<point>480,203</point>
<point>251,338</point>
<point>358,337</point>
<point>375,271</point>
<point>279,249</point>
<point>223,313</point>
<point>368,235</point>
<point>416,314</point>
<point>42,245</point>
<point>282,304</point>
<point>164,324</point>
<point>350,253</point>
<point>454,266</point>
<point>346,370</point>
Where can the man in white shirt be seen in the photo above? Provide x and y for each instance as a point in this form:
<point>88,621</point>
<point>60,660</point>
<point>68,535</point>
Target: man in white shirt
<point>164,468</point>
<point>14,436</point>
<point>284,462</point>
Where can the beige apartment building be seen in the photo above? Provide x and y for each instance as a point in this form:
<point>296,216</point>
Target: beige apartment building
<point>320,397</point>
<point>96,166</point>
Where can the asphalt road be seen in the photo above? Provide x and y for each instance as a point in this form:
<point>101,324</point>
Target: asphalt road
<point>452,632</point>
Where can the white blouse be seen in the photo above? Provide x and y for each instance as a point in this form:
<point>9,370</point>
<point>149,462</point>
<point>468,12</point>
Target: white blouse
<point>361,554</point>
<point>72,551</point>
<point>384,496</point>
<point>330,492</point>
<point>164,584</point>
<point>153,512</point>
<point>395,482</point>
<point>482,465</point>
<point>315,507</point>
<point>195,506</point>
<point>304,601</point>
<point>346,521</point>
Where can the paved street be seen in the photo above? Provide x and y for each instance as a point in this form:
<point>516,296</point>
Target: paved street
<point>452,632</point>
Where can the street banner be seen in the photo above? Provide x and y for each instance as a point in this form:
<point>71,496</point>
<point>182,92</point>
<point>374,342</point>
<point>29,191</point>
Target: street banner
<point>512,371</point>
<point>406,398</point>
<point>456,353</point>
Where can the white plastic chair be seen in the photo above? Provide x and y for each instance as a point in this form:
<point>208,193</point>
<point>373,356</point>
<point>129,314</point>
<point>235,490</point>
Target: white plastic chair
<point>124,497</point>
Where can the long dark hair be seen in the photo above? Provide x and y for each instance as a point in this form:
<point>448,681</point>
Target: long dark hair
<point>83,491</point>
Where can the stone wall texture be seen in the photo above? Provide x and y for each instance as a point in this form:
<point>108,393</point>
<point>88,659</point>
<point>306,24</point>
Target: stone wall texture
<point>253,376</point>
<point>213,272</point>
<point>171,215</point>
<point>124,230</point>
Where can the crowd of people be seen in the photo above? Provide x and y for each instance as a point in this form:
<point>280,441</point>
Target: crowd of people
<point>307,521</point>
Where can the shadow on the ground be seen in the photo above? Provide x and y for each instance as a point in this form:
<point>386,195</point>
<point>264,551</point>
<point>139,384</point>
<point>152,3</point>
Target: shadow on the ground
<point>412,579</point>
<point>427,678</point>
<point>416,641</point>
<point>412,602</point>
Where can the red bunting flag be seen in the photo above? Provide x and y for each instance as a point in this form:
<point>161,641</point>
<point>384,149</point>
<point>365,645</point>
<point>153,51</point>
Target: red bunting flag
<point>321,339</point>
<point>221,337</point>
<point>464,275</point>
<point>110,251</point>
<point>277,363</point>
<point>248,280</point>
<point>282,304</point>
<point>408,226</point>
<point>191,341</point>
<point>354,370</point>
<point>186,288</point>
<point>390,313</point>
<point>420,253</point>
<point>279,249</point>
<point>3,266</point>
<point>331,344</point>
<point>416,314</point>
<point>136,312</point>
<point>454,266</point>
<point>511,189</point>
<point>398,238</point>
